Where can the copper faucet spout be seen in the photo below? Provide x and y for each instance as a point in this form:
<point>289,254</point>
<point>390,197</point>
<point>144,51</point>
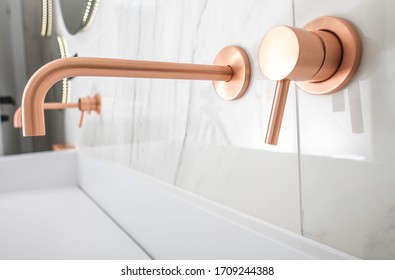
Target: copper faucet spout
<point>230,77</point>
<point>39,84</point>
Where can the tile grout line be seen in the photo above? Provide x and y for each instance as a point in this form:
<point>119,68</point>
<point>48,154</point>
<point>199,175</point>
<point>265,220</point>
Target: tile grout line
<point>298,141</point>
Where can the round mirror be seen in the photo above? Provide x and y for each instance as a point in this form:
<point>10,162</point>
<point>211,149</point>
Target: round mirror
<point>61,50</point>
<point>78,14</point>
<point>56,47</point>
<point>46,18</point>
<point>66,84</point>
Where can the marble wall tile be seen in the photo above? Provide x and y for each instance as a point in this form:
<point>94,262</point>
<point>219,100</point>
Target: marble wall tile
<point>180,131</point>
<point>346,140</point>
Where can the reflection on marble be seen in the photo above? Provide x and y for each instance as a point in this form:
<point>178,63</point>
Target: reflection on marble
<point>349,205</point>
<point>347,156</point>
<point>248,180</point>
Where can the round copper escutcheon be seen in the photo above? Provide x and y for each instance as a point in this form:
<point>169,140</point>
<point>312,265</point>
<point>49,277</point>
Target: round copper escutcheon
<point>351,48</point>
<point>98,103</point>
<point>237,59</point>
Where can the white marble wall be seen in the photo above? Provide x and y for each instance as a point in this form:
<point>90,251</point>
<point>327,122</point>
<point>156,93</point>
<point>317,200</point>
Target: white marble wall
<point>347,140</point>
<point>334,185</point>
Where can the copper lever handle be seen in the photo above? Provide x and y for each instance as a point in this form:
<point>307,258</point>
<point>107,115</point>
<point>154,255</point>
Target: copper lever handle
<point>322,58</point>
<point>276,115</point>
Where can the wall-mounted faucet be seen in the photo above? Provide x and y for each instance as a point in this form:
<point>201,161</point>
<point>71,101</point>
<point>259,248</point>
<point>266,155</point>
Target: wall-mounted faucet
<point>85,104</point>
<point>322,57</point>
<point>230,75</point>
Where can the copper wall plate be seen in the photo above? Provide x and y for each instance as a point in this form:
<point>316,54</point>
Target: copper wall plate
<point>237,59</point>
<point>352,51</point>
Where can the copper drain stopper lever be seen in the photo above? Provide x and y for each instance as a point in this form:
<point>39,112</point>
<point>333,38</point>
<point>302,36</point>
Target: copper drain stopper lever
<point>322,57</point>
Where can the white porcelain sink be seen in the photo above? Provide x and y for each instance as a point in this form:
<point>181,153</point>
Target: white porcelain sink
<point>71,205</point>
<point>45,215</point>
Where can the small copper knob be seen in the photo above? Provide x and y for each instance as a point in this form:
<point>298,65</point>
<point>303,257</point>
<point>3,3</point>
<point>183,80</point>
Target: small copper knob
<point>88,104</point>
<point>299,55</point>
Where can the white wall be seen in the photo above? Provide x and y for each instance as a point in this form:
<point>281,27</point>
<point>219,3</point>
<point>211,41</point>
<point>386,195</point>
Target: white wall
<point>334,185</point>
